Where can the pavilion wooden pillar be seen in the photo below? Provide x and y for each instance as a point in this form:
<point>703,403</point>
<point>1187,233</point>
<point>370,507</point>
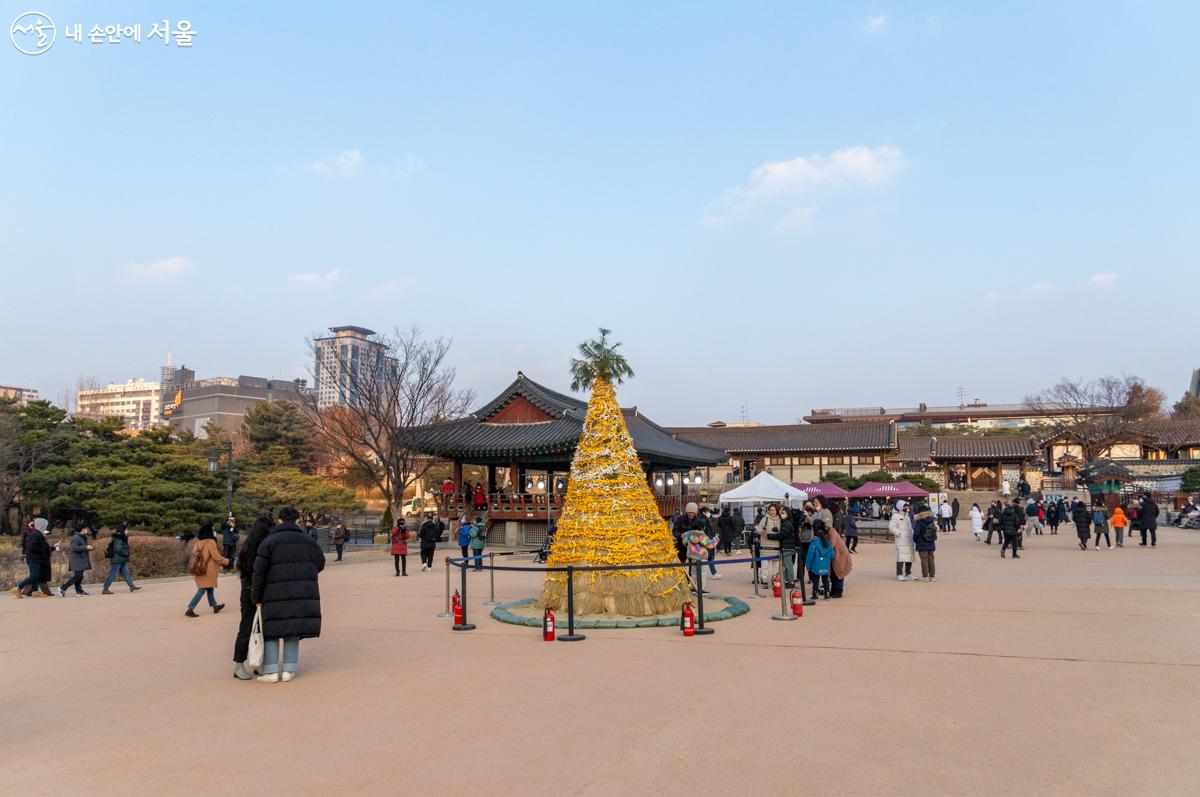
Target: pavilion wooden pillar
<point>458,475</point>
<point>491,479</point>
<point>514,476</point>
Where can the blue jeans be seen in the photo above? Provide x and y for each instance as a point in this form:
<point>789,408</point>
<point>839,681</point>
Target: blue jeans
<point>291,655</point>
<point>212,599</point>
<point>115,570</point>
<point>478,557</point>
<point>32,580</point>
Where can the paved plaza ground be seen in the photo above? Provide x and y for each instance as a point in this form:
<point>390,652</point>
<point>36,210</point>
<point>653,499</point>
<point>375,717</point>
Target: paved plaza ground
<point>1062,673</point>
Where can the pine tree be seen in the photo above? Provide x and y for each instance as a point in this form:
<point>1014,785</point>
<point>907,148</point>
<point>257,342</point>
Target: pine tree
<point>609,516</point>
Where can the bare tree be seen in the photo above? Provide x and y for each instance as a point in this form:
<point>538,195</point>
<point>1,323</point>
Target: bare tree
<point>1100,413</point>
<point>401,384</point>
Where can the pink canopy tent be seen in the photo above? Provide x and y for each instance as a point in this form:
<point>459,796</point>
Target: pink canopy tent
<point>889,490</point>
<point>822,489</point>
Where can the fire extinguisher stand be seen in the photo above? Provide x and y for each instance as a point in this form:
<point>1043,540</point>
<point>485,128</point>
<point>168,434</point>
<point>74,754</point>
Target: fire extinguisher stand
<point>464,625</point>
<point>447,613</point>
<point>571,636</point>
<point>700,629</point>
<point>784,594</point>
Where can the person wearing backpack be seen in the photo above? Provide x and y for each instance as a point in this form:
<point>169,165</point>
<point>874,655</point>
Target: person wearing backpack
<point>478,538</point>
<point>204,565</point>
<point>79,562</point>
<point>1100,523</point>
<point>118,555</point>
<point>819,560</point>
<point>925,530</point>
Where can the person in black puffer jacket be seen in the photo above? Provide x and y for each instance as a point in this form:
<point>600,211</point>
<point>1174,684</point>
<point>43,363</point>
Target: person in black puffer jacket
<point>285,583</point>
<point>1010,528</point>
<point>1082,519</point>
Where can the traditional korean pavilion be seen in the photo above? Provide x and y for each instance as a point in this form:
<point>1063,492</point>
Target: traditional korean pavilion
<point>526,437</point>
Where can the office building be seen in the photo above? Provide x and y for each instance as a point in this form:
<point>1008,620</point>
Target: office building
<point>21,395</point>
<point>137,402</point>
<point>341,360</point>
<point>225,401</point>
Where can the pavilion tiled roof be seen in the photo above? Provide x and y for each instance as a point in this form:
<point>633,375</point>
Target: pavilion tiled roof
<point>474,440</point>
<point>999,447</point>
<point>795,438</point>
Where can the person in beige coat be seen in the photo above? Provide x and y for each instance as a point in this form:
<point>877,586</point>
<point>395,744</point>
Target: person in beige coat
<point>206,554</point>
<point>902,534</point>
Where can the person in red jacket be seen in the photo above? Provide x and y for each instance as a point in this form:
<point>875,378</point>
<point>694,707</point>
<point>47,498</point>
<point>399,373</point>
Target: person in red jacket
<point>399,538</point>
<point>480,498</point>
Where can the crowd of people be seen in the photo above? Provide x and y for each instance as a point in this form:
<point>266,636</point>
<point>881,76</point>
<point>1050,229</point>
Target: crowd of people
<point>1015,521</point>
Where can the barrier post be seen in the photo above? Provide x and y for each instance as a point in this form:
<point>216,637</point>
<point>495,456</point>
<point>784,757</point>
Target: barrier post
<point>700,629</point>
<point>804,599</point>
<point>492,577</point>
<point>571,636</point>
<point>447,613</point>
<point>464,626</point>
<point>756,552</point>
<point>784,594</point>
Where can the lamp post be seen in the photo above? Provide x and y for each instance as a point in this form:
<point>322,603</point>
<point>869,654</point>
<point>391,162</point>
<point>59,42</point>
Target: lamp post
<point>214,462</point>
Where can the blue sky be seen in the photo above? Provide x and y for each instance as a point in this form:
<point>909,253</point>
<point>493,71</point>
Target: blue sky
<point>790,205</point>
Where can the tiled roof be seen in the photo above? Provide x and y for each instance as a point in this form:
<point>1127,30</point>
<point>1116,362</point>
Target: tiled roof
<point>1006,447</point>
<point>1173,433</point>
<point>916,449</point>
<point>797,438</point>
<point>473,440</point>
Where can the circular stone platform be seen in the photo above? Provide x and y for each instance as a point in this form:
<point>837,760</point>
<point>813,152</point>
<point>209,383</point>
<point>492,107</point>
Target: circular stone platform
<point>524,612</point>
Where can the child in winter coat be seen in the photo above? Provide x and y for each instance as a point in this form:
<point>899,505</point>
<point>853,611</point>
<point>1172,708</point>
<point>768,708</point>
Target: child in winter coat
<point>819,560</point>
<point>1118,521</point>
<point>697,543</point>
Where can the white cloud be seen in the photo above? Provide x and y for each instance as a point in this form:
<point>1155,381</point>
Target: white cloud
<point>875,23</point>
<point>852,166</point>
<point>316,280</point>
<point>1041,288</point>
<point>991,297</point>
<point>170,269</point>
<point>797,220</point>
<point>344,163</point>
<point>1102,279</point>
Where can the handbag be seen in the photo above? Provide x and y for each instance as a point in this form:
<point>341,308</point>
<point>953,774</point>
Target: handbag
<point>254,654</point>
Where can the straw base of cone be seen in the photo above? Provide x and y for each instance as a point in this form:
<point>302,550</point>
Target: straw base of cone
<point>629,593</point>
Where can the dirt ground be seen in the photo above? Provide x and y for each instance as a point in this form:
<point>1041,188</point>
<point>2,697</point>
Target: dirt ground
<point>1064,672</point>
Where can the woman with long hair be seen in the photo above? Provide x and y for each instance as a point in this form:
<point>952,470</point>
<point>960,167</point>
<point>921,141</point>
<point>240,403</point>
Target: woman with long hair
<point>204,566</point>
<point>245,568</point>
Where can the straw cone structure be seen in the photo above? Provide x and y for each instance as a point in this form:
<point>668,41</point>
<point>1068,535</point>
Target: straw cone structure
<point>609,517</point>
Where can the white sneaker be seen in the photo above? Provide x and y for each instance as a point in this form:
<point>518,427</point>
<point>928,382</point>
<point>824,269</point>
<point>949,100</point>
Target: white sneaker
<point>269,679</point>
<point>1110,547</point>
<point>900,578</point>
<point>932,578</point>
<point>717,575</point>
<point>287,676</point>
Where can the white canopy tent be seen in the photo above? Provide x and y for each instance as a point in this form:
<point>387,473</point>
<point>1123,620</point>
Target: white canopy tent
<point>764,488</point>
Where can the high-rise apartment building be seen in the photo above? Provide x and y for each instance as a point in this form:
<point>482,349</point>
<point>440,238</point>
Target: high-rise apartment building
<point>138,402</point>
<point>342,360</point>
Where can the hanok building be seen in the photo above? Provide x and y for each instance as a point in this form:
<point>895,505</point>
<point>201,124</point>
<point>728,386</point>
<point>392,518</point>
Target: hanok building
<point>525,438</point>
<point>793,453</point>
<point>976,415</point>
<point>982,462</point>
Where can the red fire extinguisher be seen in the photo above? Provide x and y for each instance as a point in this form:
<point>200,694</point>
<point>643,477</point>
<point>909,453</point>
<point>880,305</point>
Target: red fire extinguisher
<point>776,587</point>
<point>687,620</point>
<point>548,624</point>
<point>456,605</point>
<point>797,603</point>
